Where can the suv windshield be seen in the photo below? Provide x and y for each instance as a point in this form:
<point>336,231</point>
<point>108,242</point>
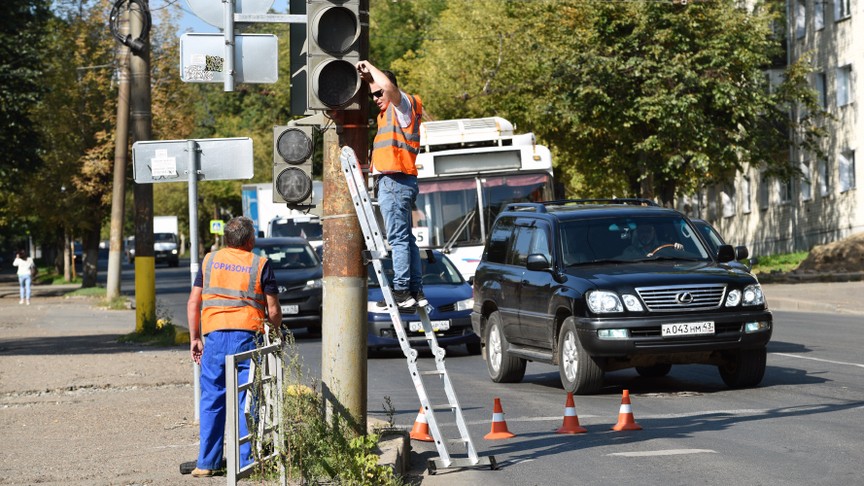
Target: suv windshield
<point>311,230</point>
<point>630,239</point>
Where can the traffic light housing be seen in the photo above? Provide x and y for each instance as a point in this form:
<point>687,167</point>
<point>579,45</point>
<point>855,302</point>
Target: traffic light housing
<point>334,37</point>
<point>293,147</point>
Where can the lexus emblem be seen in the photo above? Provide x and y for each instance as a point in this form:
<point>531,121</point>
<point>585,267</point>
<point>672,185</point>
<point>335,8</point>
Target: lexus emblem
<point>684,298</point>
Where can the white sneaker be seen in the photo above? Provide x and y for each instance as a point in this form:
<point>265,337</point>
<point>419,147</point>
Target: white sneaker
<point>28,301</point>
<point>21,301</point>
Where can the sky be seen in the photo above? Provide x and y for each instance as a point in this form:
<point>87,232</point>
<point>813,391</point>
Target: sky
<point>192,23</point>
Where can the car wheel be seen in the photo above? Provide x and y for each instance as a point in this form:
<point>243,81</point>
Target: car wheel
<point>654,371</point>
<point>502,367</point>
<point>473,348</point>
<point>580,373</point>
<point>744,368</point>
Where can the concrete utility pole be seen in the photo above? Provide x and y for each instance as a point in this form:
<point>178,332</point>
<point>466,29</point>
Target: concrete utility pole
<point>343,320</point>
<point>145,263</point>
<point>121,152</point>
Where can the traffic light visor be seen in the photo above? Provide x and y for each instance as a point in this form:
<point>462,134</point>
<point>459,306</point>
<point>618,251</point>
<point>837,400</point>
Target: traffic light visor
<point>293,185</point>
<point>294,146</point>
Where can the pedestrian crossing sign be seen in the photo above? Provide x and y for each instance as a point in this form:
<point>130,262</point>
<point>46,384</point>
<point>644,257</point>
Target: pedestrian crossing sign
<point>217,227</point>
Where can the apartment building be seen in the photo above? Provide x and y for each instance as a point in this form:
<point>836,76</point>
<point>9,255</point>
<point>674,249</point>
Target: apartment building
<point>827,203</point>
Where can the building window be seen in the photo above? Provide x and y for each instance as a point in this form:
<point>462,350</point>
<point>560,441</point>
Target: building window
<point>819,14</point>
<point>801,19</point>
<point>844,85</point>
<point>746,195</point>
<point>846,170</point>
<point>842,9</point>
<point>821,89</point>
<point>784,190</point>
<point>824,177</point>
<point>727,201</point>
<point>764,191</point>
<point>806,184</point>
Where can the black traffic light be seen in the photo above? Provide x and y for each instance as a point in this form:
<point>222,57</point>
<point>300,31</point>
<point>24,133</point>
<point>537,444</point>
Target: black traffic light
<point>334,31</point>
<point>292,165</point>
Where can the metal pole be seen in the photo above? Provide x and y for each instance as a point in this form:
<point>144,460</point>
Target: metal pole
<point>192,171</point>
<point>121,151</point>
<point>228,16</point>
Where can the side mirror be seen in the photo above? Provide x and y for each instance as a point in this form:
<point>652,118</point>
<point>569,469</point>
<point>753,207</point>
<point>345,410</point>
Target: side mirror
<point>725,253</point>
<point>741,253</point>
<point>471,280</point>
<point>260,234</point>
<point>538,261</point>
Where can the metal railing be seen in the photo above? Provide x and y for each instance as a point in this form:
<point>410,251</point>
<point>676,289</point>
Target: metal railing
<point>261,410</point>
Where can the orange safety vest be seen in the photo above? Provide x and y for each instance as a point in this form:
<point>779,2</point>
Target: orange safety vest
<point>233,298</point>
<point>395,148</point>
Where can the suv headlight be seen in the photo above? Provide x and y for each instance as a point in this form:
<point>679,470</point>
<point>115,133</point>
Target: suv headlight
<point>603,302</point>
<point>753,295</point>
<point>313,284</point>
<point>734,298</point>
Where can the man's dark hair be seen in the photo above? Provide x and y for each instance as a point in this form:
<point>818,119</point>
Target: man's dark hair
<point>391,77</point>
<point>239,232</point>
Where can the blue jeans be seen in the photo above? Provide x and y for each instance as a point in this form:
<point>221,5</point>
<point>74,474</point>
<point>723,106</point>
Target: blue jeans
<point>24,285</point>
<point>217,345</point>
<point>396,196</point>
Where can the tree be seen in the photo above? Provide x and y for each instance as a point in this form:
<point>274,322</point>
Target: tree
<point>634,98</point>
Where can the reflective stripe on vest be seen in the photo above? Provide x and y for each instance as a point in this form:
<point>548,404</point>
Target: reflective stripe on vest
<point>395,148</point>
<point>237,300</point>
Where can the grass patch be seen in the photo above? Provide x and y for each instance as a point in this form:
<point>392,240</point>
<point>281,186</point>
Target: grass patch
<point>157,331</point>
<point>785,262</point>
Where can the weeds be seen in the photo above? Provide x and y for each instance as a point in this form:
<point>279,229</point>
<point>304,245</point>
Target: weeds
<point>779,263</point>
<point>157,330</point>
<point>317,448</point>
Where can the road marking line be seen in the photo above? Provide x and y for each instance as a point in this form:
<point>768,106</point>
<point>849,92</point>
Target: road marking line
<point>819,359</point>
<point>668,452</point>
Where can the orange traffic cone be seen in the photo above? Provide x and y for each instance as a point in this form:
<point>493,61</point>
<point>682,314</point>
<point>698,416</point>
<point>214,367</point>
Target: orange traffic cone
<point>625,415</point>
<point>499,425</point>
<point>571,420</point>
<point>420,431</point>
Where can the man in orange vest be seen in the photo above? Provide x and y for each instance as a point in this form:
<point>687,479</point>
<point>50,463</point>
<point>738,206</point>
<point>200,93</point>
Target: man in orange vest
<point>234,293</point>
<point>394,152</point>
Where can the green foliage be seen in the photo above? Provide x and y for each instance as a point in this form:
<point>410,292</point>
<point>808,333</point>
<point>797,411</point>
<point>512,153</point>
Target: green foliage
<point>321,448</point>
<point>779,263</point>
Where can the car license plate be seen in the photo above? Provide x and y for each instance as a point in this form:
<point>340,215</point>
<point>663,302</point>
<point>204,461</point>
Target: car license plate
<point>417,326</point>
<point>290,309</point>
<point>687,329</point>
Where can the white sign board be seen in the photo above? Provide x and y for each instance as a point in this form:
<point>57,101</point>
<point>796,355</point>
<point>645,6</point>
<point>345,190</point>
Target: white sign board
<point>168,160</point>
<point>213,11</point>
<point>202,58</point>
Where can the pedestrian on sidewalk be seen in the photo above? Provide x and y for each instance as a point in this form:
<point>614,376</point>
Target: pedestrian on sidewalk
<point>234,293</point>
<point>394,153</point>
<point>26,267</point>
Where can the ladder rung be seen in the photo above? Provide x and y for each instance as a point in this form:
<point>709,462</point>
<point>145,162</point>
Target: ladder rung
<point>446,406</point>
<point>460,440</point>
<point>433,372</point>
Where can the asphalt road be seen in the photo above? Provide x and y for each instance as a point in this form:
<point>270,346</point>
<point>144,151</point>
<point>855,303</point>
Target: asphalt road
<point>801,426</point>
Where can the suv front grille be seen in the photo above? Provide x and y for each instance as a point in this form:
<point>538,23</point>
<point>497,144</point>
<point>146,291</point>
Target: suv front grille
<point>682,297</point>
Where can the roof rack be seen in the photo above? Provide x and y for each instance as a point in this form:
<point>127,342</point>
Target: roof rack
<point>526,206</point>
<point>635,201</point>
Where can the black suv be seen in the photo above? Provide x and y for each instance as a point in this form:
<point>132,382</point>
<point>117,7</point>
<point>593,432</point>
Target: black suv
<point>602,285</point>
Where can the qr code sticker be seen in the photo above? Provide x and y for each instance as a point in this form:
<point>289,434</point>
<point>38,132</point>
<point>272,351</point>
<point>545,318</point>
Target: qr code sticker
<point>214,63</point>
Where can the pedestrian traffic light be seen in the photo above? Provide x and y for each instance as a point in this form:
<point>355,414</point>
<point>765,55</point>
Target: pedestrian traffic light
<point>335,42</point>
<point>292,165</point>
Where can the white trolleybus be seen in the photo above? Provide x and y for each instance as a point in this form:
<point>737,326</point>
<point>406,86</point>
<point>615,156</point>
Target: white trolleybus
<point>467,171</point>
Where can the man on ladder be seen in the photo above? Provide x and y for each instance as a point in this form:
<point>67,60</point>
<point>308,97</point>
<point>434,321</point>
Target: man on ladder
<point>394,152</point>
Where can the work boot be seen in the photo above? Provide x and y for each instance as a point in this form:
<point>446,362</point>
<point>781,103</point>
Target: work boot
<point>404,299</point>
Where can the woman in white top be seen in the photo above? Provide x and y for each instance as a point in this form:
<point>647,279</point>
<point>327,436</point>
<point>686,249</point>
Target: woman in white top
<point>24,264</point>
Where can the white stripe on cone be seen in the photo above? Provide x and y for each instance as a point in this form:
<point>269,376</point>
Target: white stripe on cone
<point>497,417</point>
<point>569,412</point>
<point>625,408</point>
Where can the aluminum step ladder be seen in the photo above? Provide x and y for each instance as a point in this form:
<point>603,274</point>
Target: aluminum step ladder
<point>377,250</point>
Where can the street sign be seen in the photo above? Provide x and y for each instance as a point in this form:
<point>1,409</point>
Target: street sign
<point>212,11</point>
<point>217,227</point>
<point>202,58</point>
<point>168,160</point>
